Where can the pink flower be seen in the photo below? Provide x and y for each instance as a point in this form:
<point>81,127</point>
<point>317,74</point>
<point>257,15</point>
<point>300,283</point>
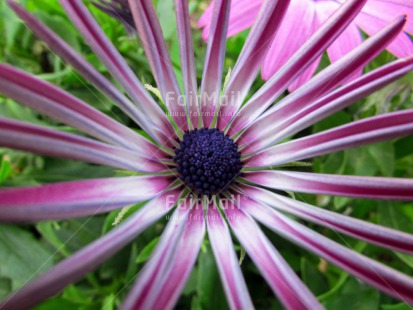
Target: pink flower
<point>215,166</point>
<point>304,17</point>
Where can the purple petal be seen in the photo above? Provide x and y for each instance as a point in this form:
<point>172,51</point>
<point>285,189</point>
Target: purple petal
<point>77,198</point>
<point>296,65</point>
<point>187,60</point>
<point>118,67</point>
<point>282,279</point>
<point>75,267</point>
<point>378,275</point>
<point>54,102</point>
<point>65,51</point>
<point>376,234</point>
<point>145,290</point>
<point>41,140</point>
<point>188,249</point>
<point>309,113</point>
<point>227,262</point>
<point>214,61</point>
<point>254,50</point>
<point>340,185</point>
<point>150,34</point>
<point>366,131</point>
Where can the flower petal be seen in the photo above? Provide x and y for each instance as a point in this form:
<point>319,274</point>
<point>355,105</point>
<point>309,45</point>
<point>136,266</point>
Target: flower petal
<point>67,53</point>
<point>370,130</point>
<point>378,275</point>
<point>296,65</point>
<point>402,46</point>
<point>376,234</point>
<point>75,267</point>
<point>52,101</point>
<point>150,34</point>
<point>214,61</point>
<point>340,185</point>
<point>282,279</point>
<point>242,15</point>
<point>187,60</point>
<point>322,83</point>
<point>225,257</point>
<point>41,140</point>
<point>312,112</point>
<point>168,294</point>
<point>388,10</point>
<point>77,198</point>
<point>146,288</point>
<point>253,52</point>
<point>349,39</point>
<point>118,67</point>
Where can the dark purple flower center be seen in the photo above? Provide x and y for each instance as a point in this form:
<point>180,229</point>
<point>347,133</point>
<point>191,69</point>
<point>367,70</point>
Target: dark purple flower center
<point>208,161</point>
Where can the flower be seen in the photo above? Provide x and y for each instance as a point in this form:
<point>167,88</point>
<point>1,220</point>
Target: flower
<point>312,13</point>
<point>206,153</point>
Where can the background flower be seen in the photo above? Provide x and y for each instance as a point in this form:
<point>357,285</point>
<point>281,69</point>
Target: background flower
<point>304,17</point>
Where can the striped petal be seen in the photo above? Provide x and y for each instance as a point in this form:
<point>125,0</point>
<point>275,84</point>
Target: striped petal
<point>54,102</point>
<point>41,140</point>
<point>376,234</point>
<point>67,53</point>
<point>340,185</point>
<point>146,288</point>
<point>252,54</point>
<point>150,34</point>
<point>376,274</point>
<point>76,266</point>
<point>214,61</point>
<point>227,262</point>
<point>118,67</point>
<point>187,253</point>
<point>296,65</point>
<point>77,198</point>
<point>282,279</point>
<point>307,114</point>
<point>187,60</point>
<point>366,131</point>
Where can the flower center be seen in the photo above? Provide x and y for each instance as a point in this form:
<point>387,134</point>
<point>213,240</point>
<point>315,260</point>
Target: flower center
<point>208,161</point>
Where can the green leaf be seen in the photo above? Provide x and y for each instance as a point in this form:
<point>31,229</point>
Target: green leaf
<point>22,257</point>
<point>401,306</point>
<point>398,216</point>
<point>147,251</point>
<point>383,154</point>
<point>166,15</point>
<point>48,231</point>
<point>5,170</point>
<point>209,288</point>
<point>312,277</point>
<point>365,298</point>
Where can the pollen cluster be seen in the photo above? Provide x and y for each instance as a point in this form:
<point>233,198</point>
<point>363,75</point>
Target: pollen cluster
<point>208,161</point>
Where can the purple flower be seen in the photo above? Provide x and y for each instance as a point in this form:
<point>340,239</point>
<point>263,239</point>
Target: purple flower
<point>304,17</point>
<point>208,146</point>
